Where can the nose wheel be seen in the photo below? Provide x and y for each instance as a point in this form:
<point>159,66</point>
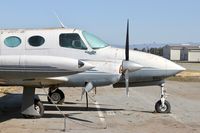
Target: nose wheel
<point>162,109</point>
<point>162,105</point>
<point>55,96</point>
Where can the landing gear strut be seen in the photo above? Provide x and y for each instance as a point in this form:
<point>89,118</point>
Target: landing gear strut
<point>163,106</point>
<point>56,95</point>
<point>31,106</point>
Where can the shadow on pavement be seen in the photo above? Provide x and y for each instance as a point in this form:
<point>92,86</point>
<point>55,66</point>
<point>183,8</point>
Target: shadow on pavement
<point>10,108</point>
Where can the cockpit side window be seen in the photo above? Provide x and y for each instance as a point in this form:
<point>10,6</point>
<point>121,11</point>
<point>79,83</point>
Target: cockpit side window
<point>93,41</point>
<point>71,40</point>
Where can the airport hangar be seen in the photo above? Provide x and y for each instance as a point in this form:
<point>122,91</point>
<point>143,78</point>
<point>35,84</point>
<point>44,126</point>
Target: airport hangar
<point>187,53</point>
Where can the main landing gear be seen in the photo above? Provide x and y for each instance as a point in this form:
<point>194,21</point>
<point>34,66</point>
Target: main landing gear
<point>55,95</point>
<point>31,107</point>
<point>162,105</point>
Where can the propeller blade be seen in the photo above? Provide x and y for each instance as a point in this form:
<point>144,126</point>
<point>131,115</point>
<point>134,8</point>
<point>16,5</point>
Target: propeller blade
<point>127,42</point>
<point>127,82</point>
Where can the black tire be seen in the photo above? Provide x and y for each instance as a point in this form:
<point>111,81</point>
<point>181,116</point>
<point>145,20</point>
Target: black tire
<point>160,109</point>
<point>38,106</point>
<point>57,97</point>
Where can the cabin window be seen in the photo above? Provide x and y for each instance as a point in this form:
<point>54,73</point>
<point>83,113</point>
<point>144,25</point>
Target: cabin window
<point>36,41</point>
<point>12,41</point>
<point>71,41</point>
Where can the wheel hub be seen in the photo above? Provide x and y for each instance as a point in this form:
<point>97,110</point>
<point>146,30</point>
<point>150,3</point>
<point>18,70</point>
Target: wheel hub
<point>55,97</point>
<point>163,108</point>
<point>37,108</point>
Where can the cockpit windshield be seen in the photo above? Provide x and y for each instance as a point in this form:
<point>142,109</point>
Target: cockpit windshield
<point>94,41</point>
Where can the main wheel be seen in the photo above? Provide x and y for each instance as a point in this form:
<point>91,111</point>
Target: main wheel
<point>165,109</point>
<point>38,106</point>
<point>56,96</point>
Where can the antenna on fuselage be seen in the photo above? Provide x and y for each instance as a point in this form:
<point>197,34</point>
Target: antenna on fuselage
<point>59,20</point>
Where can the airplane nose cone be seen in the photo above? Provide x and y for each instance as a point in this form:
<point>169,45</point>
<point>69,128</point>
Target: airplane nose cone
<point>174,68</point>
<point>180,68</point>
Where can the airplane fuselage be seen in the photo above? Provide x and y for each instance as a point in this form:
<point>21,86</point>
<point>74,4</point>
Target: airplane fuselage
<point>77,44</point>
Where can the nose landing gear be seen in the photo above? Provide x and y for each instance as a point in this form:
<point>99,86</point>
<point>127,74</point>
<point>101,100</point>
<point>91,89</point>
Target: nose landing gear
<point>162,105</point>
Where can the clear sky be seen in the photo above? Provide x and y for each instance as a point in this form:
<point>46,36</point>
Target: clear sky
<point>161,21</point>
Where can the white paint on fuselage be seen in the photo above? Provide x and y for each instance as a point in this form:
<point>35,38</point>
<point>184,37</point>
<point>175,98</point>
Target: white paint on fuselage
<point>145,59</point>
<point>106,60</point>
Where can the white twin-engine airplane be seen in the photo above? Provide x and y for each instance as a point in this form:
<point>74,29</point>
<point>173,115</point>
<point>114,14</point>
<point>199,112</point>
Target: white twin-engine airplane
<point>62,57</point>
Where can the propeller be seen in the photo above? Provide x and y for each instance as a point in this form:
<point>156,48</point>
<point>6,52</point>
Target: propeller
<point>126,73</point>
<point>128,66</point>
